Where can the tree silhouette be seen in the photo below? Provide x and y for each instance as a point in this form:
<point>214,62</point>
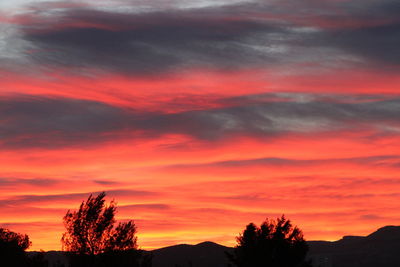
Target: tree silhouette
<point>92,239</point>
<point>273,244</point>
<point>12,248</point>
<point>12,251</point>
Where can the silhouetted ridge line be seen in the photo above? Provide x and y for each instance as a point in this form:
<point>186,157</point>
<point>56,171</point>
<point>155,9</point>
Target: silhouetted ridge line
<point>387,232</point>
<point>378,249</point>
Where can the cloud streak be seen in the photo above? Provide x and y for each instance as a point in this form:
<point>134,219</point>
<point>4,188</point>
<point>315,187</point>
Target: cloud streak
<point>55,122</point>
<point>35,199</point>
<point>38,182</point>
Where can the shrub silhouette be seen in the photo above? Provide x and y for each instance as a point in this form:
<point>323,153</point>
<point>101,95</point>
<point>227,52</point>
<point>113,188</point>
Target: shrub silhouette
<point>273,244</point>
<point>12,251</point>
<point>92,239</point>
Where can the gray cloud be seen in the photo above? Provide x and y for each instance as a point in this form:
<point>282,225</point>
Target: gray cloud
<point>36,121</point>
<point>50,122</point>
<point>372,217</point>
<point>152,42</point>
<point>385,161</point>
<point>216,37</point>
<point>105,182</point>
<point>371,9</point>
<point>276,118</point>
<point>29,225</point>
<point>153,206</point>
<point>28,199</point>
<point>376,43</point>
<point>13,182</point>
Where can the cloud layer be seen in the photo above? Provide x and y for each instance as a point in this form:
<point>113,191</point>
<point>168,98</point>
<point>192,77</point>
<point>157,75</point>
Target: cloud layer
<point>241,35</point>
<point>58,122</point>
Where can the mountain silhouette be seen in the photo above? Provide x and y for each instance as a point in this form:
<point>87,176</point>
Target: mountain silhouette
<point>386,233</point>
<point>379,249</point>
<point>204,254</point>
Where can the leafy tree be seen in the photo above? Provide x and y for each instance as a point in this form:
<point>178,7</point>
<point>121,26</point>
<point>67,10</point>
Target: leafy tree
<point>9,240</point>
<point>91,231</point>
<point>12,251</point>
<point>93,239</point>
<point>273,244</point>
<point>12,248</point>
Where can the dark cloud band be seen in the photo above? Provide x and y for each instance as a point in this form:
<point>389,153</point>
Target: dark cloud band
<point>50,122</point>
<point>237,36</point>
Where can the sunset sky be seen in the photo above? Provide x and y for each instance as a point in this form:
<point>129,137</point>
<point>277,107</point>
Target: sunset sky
<point>200,116</point>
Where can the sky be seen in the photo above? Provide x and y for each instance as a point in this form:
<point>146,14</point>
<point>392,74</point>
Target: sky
<point>198,117</point>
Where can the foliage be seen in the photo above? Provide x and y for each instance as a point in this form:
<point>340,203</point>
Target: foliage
<point>93,239</point>
<point>12,240</point>
<point>273,244</point>
<point>12,251</point>
<point>91,231</point>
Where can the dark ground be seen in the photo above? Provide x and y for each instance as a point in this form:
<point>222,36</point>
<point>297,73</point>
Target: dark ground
<point>379,249</point>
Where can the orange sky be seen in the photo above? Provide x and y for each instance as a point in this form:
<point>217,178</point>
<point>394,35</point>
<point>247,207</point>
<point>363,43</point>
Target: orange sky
<point>195,141</point>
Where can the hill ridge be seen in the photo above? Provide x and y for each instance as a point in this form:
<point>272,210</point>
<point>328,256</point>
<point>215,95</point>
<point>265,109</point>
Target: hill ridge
<point>380,248</point>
